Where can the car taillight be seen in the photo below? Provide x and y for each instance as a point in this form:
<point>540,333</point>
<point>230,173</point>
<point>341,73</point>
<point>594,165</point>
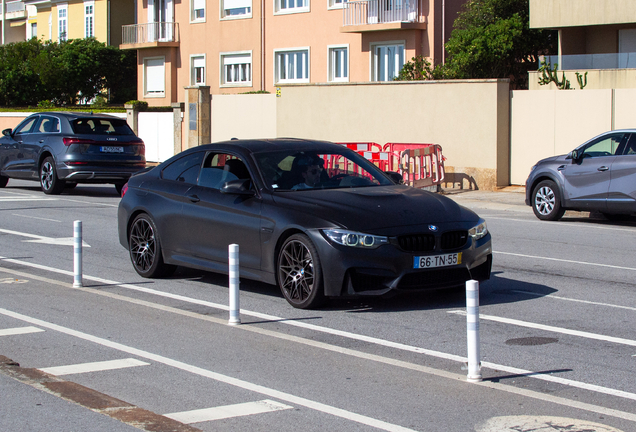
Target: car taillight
<point>142,147</point>
<point>69,141</point>
<point>124,189</point>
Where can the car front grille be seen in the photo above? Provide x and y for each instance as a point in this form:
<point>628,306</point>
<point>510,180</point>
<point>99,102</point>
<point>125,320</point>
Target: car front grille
<point>426,242</point>
<point>417,242</point>
<point>454,239</point>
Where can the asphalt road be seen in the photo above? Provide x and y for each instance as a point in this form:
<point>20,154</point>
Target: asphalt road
<point>122,352</point>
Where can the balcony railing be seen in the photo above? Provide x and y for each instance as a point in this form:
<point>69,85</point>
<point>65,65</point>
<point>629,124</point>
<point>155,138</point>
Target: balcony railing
<point>594,61</point>
<point>150,32</point>
<point>379,12</point>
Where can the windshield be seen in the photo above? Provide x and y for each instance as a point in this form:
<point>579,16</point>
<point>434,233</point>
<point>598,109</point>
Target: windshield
<point>292,170</point>
<point>101,126</point>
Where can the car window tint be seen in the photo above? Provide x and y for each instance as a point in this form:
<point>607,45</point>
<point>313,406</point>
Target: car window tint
<point>219,168</point>
<point>26,126</point>
<point>605,146</point>
<point>100,126</point>
<point>185,169</point>
<point>630,148</point>
<point>48,125</point>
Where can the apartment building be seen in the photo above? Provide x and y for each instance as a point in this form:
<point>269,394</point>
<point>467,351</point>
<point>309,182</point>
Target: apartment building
<point>597,37</point>
<point>69,19</point>
<point>238,46</point>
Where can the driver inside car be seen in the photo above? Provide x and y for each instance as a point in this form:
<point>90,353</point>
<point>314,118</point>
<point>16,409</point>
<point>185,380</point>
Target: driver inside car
<point>310,169</point>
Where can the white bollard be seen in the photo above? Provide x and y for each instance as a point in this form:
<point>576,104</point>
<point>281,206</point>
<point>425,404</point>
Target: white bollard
<point>472,327</point>
<point>77,254</point>
<point>235,317</point>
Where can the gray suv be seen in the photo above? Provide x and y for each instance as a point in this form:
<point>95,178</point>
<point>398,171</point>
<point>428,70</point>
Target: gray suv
<point>599,175</point>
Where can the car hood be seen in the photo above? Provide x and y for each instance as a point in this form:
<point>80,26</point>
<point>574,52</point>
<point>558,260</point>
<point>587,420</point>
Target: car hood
<point>374,208</point>
<point>552,159</point>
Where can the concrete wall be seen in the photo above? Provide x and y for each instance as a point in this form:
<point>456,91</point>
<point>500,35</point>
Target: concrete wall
<point>243,116</point>
<point>596,79</point>
<point>566,13</point>
<point>469,119</point>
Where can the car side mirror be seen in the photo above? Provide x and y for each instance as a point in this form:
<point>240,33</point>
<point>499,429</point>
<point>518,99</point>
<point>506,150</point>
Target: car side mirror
<point>238,187</point>
<point>7,132</point>
<point>395,176</point>
<point>574,154</point>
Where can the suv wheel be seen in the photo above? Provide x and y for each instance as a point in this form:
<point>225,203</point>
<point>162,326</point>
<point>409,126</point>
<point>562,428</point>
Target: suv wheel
<point>546,201</point>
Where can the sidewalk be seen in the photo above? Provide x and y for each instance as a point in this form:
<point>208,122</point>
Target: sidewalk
<point>508,198</point>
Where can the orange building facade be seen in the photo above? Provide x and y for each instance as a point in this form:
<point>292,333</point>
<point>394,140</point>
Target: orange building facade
<point>239,46</point>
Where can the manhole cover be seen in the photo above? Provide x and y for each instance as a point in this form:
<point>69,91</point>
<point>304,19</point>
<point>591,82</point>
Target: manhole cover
<point>532,341</point>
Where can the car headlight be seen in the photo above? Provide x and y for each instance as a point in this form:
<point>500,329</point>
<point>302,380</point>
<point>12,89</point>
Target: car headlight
<point>355,239</point>
<point>478,231</point>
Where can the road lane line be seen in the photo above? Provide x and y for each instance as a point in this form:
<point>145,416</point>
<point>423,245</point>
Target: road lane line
<point>19,331</point>
<point>552,329</point>
<point>93,367</point>
<point>246,385</point>
<point>61,241</point>
<point>227,411</point>
<point>495,385</point>
<point>576,225</point>
<point>344,334</point>
<point>35,217</point>
<point>575,300</point>
<point>567,261</point>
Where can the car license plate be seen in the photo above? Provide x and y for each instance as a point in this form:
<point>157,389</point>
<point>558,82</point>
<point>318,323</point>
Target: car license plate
<point>111,149</point>
<point>437,260</point>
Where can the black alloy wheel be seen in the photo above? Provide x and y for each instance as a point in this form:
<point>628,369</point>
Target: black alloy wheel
<point>145,248</point>
<point>546,201</point>
<point>300,273</point>
<point>49,182</point>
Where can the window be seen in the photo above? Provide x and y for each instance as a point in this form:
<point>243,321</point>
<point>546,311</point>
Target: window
<point>221,168</point>
<point>155,77</point>
<point>291,6</point>
<point>236,8</point>
<point>185,169</point>
<point>197,66</point>
<point>237,69</point>
<point>606,146</point>
<point>89,19</point>
<point>48,124</point>
<point>198,11</point>
<point>387,61</point>
<point>292,66</point>
<point>25,126</point>
<point>338,64</point>
<point>336,4</point>
<point>62,21</point>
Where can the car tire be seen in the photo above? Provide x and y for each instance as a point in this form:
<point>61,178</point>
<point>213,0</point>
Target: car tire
<point>546,201</point>
<point>299,273</point>
<point>3,181</point>
<point>145,248</point>
<point>70,185</point>
<point>49,182</point>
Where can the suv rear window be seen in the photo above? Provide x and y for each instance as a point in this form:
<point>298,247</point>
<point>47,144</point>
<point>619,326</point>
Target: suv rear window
<point>101,126</point>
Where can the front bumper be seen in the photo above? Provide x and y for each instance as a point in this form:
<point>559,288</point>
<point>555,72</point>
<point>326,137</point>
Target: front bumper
<point>353,271</point>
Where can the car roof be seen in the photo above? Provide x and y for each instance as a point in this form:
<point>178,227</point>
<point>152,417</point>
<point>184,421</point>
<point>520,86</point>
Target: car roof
<point>274,144</point>
<point>75,115</point>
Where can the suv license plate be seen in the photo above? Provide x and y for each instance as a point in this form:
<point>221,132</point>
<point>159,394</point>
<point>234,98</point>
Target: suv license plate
<point>437,260</point>
<point>111,149</point>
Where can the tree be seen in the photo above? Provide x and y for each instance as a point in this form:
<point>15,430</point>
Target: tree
<point>492,39</point>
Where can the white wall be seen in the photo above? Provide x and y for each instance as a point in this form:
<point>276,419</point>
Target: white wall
<point>157,131</point>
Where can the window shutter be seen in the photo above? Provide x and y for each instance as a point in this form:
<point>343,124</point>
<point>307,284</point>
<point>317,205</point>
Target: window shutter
<point>237,4</point>
<point>155,76</point>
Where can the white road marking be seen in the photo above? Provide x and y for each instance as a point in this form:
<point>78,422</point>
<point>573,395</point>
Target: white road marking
<point>93,367</point>
<point>62,241</point>
<point>390,361</point>
<point>344,334</point>
<point>348,415</point>
<point>575,300</point>
<point>552,329</point>
<point>567,261</point>
<point>19,331</point>
<point>576,225</point>
<point>34,217</point>
<point>227,411</point>
<point>16,199</point>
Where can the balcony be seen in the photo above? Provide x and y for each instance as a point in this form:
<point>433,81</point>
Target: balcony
<point>15,10</point>
<point>379,15</point>
<point>150,35</point>
<point>594,61</point>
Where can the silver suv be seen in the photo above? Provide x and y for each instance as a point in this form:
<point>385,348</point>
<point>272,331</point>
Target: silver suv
<point>599,175</point>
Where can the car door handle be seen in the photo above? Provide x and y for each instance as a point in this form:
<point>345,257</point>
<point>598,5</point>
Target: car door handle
<point>603,168</point>
<point>194,198</point>
<point>561,168</point>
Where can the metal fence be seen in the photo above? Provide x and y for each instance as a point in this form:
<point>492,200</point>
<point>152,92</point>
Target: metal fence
<point>150,32</point>
<point>379,12</point>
